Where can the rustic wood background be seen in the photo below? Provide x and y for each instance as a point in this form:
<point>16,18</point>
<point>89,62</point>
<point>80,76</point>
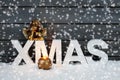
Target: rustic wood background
<point>64,19</point>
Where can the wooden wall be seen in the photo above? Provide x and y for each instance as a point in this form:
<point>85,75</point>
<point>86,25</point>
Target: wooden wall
<point>64,19</point>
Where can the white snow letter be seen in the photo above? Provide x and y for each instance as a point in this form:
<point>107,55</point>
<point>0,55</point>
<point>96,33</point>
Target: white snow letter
<point>40,48</point>
<point>74,45</point>
<point>23,52</point>
<point>91,48</point>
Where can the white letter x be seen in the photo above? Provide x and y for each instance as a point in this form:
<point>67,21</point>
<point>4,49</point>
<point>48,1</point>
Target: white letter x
<point>23,52</point>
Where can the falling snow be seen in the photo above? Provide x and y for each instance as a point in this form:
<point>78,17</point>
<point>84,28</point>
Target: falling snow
<point>16,16</point>
<point>65,19</point>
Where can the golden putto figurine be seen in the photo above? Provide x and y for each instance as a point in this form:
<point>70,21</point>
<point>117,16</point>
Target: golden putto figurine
<point>35,31</point>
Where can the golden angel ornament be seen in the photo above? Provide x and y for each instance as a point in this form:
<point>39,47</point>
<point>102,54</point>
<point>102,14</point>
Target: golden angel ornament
<point>35,31</point>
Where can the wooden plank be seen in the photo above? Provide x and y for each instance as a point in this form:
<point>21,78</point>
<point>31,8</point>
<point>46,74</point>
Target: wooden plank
<point>114,58</point>
<point>8,53</point>
<point>14,31</point>
<point>64,31</point>
<point>60,15</point>
<point>38,2</point>
<point>60,3</point>
<point>104,3</point>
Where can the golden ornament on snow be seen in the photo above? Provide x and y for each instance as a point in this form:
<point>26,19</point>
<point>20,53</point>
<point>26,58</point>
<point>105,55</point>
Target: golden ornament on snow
<point>35,31</point>
<point>44,63</point>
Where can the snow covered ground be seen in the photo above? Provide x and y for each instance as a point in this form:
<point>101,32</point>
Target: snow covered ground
<point>111,71</point>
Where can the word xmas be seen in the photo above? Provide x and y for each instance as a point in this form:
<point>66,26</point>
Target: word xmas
<point>40,48</point>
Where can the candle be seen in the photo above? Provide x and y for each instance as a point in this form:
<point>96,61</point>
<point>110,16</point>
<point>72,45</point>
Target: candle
<point>44,63</point>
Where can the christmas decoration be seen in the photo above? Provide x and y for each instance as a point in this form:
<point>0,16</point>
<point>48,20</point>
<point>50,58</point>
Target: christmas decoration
<point>35,31</point>
<point>44,63</point>
<point>56,50</point>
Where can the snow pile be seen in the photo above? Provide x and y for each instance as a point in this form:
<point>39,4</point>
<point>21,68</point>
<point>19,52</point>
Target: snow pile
<point>111,71</point>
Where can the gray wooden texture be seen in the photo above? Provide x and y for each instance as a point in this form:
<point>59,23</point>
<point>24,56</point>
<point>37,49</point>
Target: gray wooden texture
<point>60,2</point>
<point>64,19</point>
<point>60,15</point>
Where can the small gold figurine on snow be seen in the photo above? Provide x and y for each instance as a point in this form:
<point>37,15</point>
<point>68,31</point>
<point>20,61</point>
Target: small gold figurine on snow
<point>35,31</point>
